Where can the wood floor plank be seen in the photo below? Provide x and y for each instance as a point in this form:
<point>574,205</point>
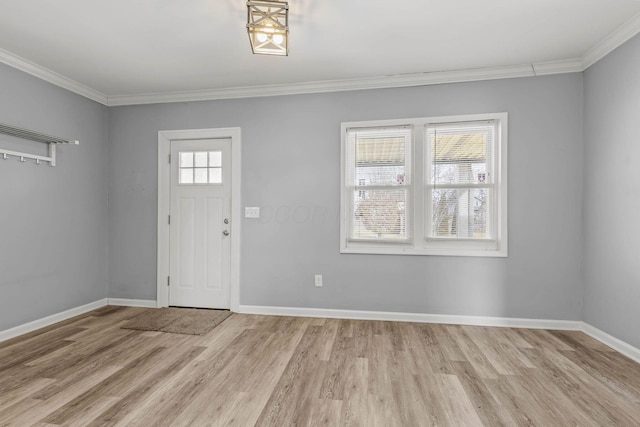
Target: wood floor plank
<point>472,353</point>
<point>129,401</point>
<point>516,401</point>
<point>446,339</point>
<point>33,410</point>
<point>548,396</point>
<point>542,339</point>
<point>585,391</point>
<point>24,356</point>
<point>408,404</point>
<point>216,406</point>
<point>299,385</point>
<point>415,361</point>
<point>26,390</point>
<point>491,412</point>
<point>286,371</point>
<point>166,405</point>
<point>329,331</point>
<point>597,364</point>
<point>502,354</point>
<point>325,412</point>
<point>458,408</point>
<point>354,409</point>
<point>70,369</point>
<point>362,334</point>
<point>342,361</point>
<point>113,386</point>
<point>579,341</point>
<point>439,358</point>
<point>384,371</point>
<point>214,413</point>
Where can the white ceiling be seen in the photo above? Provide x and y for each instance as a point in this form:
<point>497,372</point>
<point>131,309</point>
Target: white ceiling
<point>129,51</point>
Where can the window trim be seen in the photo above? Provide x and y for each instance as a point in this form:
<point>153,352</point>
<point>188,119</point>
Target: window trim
<point>418,242</point>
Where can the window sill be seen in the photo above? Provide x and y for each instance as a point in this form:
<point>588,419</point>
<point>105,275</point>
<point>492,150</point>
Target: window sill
<point>370,250</point>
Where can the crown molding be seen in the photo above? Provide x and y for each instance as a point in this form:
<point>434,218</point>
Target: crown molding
<point>611,42</point>
<point>558,67</point>
<point>52,77</point>
<point>382,82</point>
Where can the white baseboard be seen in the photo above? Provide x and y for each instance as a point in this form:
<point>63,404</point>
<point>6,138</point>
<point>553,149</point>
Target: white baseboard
<point>511,322</point>
<point>618,345</point>
<point>50,320</point>
<point>565,325</point>
<point>132,302</point>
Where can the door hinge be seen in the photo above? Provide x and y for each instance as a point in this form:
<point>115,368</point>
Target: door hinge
<point>169,158</point>
<point>169,219</point>
<point>168,281</point>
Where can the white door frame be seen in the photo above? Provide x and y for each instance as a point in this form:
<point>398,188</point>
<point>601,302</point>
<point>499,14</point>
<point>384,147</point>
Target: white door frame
<point>164,203</point>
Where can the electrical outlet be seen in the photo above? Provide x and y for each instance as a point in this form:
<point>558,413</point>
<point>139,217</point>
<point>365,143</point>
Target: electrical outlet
<point>252,212</point>
<point>318,280</point>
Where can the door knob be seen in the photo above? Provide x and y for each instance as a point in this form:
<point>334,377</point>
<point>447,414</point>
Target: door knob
<point>226,221</point>
<point>225,232</point>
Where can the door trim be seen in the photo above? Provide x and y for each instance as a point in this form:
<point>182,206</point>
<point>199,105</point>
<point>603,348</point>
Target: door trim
<point>164,203</point>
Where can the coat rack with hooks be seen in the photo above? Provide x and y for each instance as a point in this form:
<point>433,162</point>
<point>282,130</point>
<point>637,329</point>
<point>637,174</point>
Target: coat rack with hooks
<point>52,141</point>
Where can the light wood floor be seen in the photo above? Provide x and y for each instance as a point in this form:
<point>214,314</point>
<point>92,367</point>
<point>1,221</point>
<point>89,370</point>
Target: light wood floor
<point>283,371</point>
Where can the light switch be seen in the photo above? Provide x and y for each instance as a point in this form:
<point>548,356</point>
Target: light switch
<point>252,212</point>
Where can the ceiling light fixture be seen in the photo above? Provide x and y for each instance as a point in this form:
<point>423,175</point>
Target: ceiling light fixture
<point>268,27</point>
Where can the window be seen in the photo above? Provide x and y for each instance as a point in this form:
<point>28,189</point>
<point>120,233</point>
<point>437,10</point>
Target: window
<point>200,167</point>
<point>428,186</point>
<point>380,166</point>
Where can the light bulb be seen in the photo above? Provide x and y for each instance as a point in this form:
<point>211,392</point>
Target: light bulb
<point>261,37</point>
<point>278,39</point>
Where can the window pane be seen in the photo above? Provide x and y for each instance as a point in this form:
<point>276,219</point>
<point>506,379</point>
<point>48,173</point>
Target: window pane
<point>215,175</point>
<point>201,159</point>
<point>381,160</point>
<point>186,176</point>
<point>215,158</point>
<point>201,176</point>
<point>186,160</point>
<point>460,213</point>
<point>380,215</point>
<point>461,153</point>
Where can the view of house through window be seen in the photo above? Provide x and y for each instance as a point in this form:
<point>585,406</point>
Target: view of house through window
<point>425,186</point>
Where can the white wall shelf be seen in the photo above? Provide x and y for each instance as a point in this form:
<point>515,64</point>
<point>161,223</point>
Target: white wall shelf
<point>52,141</point>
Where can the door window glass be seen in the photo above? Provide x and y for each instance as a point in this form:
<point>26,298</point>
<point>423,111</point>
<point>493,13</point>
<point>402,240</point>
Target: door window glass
<point>200,167</point>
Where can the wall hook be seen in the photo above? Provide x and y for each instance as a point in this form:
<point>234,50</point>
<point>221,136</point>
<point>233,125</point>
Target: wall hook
<point>51,141</point>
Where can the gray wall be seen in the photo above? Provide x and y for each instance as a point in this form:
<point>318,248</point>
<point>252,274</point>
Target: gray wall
<point>290,167</point>
<point>612,193</point>
<point>53,220</point>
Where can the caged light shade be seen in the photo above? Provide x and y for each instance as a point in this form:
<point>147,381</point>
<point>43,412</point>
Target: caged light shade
<point>268,27</point>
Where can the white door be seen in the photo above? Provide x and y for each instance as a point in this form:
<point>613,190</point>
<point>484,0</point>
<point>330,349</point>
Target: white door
<point>200,223</point>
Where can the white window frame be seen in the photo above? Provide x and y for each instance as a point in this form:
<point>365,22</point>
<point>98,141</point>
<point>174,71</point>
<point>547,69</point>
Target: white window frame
<point>419,243</point>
